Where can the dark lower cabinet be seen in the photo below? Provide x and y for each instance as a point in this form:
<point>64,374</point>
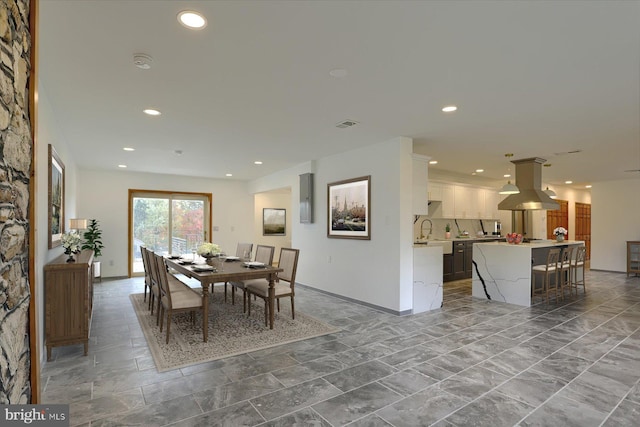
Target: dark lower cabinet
<point>468,260</point>
<point>447,267</point>
<point>459,265</point>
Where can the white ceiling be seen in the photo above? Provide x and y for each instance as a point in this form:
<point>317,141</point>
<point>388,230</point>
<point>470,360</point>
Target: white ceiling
<point>537,79</point>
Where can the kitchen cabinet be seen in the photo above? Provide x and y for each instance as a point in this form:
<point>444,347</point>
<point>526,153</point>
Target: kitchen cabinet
<point>68,301</point>
<point>448,201</point>
<point>447,267</point>
<point>420,184</point>
<point>435,191</point>
<point>490,204</point>
<point>633,258</point>
<point>468,260</point>
<point>459,264</point>
<point>462,203</point>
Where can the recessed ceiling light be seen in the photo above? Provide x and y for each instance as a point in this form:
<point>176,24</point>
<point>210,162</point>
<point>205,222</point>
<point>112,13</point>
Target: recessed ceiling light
<point>122,166</point>
<point>449,108</point>
<point>507,175</point>
<point>257,162</point>
<point>151,112</point>
<point>479,170</point>
<point>433,162</point>
<point>568,182</point>
<point>129,149</point>
<point>588,186</point>
<point>338,73</point>
<point>229,174</point>
<point>192,20</point>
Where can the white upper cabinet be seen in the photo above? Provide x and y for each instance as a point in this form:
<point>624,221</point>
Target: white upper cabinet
<point>448,201</point>
<point>490,204</point>
<point>420,184</point>
<point>463,205</point>
<point>464,202</point>
<point>435,191</point>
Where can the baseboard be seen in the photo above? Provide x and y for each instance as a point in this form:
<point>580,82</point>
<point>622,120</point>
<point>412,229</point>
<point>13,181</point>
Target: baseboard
<point>355,301</point>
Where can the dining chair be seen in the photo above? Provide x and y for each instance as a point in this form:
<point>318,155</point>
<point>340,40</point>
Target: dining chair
<point>547,271</point>
<point>264,254</point>
<point>260,287</point>
<point>243,251</point>
<point>176,297</point>
<point>154,291</point>
<point>577,266</point>
<point>147,279</point>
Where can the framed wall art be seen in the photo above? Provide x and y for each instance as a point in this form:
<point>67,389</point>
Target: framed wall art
<point>274,222</point>
<point>56,198</point>
<point>349,208</point>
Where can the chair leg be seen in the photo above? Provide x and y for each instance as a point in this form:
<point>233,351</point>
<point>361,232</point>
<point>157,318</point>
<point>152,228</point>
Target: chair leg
<point>233,294</point>
<point>293,311</point>
<point>161,322</point>
<point>168,325</point>
<point>145,292</point>
<point>266,313</point>
<point>278,304</point>
<point>225,291</point>
<point>248,302</point>
<point>244,301</point>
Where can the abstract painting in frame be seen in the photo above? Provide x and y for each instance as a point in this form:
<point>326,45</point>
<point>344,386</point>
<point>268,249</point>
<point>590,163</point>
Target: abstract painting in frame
<point>56,198</point>
<point>349,208</point>
<point>274,222</point>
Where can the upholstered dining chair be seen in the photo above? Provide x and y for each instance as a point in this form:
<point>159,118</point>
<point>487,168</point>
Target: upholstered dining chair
<point>260,287</point>
<point>154,291</point>
<point>176,297</point>
<point>264,254</point>
<point>147,279</point>
<point>243,251</point>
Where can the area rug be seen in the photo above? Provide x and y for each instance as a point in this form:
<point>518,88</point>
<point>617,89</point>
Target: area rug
<point>231,332</point>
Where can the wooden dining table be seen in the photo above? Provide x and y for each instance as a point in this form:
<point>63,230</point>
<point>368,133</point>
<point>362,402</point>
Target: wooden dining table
<point>232,271</point>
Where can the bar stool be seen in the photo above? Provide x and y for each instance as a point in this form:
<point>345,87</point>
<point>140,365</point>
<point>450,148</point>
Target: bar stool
<point>577,266</point>
<point>547,271</point>
<point>564,273</point>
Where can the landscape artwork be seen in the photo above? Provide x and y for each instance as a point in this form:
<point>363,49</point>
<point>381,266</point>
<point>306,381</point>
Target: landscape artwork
<point>349,208</point>
<point>274,222</point>
<point>56,198</point>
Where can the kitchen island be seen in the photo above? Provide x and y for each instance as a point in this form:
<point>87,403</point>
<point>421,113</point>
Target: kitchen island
<point>502,271</point>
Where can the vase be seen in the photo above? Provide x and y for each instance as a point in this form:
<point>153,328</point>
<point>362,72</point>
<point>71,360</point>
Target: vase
<point>447,234</point>
<point>70,256</point>
<point>560,238</point>
<point>208,259</point>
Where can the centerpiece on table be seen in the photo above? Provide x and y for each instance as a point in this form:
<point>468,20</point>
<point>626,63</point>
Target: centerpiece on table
<point>209,250</point>
<point>560,232</point>
<point>71,243</point>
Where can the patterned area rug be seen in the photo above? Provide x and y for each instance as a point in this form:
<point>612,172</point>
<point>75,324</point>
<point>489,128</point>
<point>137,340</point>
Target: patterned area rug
<point>231,332</point>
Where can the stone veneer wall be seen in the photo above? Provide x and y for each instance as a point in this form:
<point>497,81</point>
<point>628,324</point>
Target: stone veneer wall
<point>16,144</point>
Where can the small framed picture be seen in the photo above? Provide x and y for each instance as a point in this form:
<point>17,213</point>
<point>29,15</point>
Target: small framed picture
<point>349,207</point>
<point>56,198</point>
<point>274,222</point>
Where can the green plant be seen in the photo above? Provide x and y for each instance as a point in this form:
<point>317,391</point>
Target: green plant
<point>92,238</point>
<point>447,228</point>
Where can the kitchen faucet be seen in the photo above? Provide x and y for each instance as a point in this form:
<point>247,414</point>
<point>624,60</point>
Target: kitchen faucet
<point>430,228</point>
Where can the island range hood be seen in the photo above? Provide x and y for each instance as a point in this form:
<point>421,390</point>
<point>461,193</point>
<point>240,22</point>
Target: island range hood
<point>529,182</point>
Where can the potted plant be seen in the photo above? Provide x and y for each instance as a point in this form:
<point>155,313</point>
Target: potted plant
<point>93,240</point>
<point>447,231</point>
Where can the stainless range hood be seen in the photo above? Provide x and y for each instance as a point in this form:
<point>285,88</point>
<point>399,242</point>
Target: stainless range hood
<point>529,181</point>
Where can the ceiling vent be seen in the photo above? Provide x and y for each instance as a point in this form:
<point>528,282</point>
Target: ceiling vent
<point>346,124</point>
<point>142,61</point>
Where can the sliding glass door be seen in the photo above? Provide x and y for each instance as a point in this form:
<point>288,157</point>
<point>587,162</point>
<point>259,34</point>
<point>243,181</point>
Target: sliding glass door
<point>167,223</point>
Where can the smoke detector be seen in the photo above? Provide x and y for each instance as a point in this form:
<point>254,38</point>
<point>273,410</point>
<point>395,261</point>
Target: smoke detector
<point>346,124</point>
<point>142,61</point>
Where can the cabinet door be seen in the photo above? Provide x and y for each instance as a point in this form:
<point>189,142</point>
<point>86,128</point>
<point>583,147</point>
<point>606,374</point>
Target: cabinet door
<point>447,267</point>
<point>435,191</point>
<point>420,189</point>
<point>458,261</point>
<point>468,260</point>
<point>448,201</point>
<point>490,204</point>
<point>478,203</point>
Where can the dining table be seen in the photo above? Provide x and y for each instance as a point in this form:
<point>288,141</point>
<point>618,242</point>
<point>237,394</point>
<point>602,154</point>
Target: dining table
<point>231,271</point>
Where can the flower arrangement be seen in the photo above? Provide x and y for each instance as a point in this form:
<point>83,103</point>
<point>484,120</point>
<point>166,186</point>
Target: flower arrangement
<point>209,249</point>
<point>71,243</point>
<point>560,230</point>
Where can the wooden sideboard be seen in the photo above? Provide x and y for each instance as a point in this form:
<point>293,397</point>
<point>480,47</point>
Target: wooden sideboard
<point>68,289</point>
<point>633,257</point>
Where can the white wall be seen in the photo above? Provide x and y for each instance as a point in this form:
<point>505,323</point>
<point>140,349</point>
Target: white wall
<point>104,195</point>
<point>278,200</point>
<point>48,133</point>
<point>615,218</point>
<point>377,271</point>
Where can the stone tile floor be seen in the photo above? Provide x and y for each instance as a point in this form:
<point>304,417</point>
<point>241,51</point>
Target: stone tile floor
<point>474,362</point>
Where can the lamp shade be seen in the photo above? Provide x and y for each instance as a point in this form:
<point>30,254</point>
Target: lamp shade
<point>551,193</point>
<point>509,188</point>
<point>78,224</point>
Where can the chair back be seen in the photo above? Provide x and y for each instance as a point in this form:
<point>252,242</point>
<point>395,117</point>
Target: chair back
<point>143,251</point>
<point>289,264</point>
<point>581,255</point>
<point>567,253</point>
<point>150,267</point>
<point>242,248</point>
<point>264,254</point>
<point>163,281</point>
<point>552,259</point>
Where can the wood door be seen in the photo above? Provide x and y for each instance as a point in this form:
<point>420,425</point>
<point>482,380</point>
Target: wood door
<point>583,225</point>
<point>558,218</point>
